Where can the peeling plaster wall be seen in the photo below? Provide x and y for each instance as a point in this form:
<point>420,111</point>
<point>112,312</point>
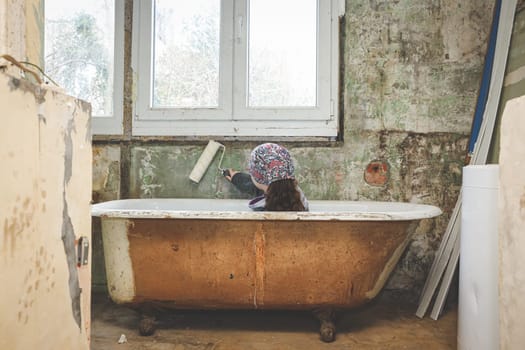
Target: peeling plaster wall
<point>410,76</point>
<point>404,71</point>
<point>21,29</point>
<point>106,173</point>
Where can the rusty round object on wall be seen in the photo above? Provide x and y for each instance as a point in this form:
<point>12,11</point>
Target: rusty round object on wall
<point>377,173</point>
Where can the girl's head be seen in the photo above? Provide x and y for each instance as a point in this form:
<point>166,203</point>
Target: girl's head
<point>272,170</point>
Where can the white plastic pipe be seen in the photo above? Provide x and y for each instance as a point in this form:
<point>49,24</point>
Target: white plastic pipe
<point>478,316</point>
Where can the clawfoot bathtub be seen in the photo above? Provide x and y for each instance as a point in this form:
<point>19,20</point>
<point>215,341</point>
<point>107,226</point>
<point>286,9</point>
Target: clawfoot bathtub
<point>217,254</point>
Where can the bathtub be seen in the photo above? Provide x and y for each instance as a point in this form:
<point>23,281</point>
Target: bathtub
<point>218,254</point>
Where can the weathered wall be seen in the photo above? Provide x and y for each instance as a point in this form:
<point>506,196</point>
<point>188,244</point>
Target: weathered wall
<point>511,222</point>
<point>21,30</point>
<point>106,187</point>
<point>410,75</point>
<point>514,83</point>
<point>45,187</point>
<point>509,151</point>
<point>13,28</point>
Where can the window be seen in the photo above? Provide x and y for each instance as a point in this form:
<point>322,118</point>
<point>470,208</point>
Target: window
<point>236,67</point>
<point>83,45</point>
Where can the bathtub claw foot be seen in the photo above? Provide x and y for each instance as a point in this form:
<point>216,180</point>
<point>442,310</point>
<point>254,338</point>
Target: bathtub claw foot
<point>327,319</point>
<point>327,332</point>
<point>147,325</point>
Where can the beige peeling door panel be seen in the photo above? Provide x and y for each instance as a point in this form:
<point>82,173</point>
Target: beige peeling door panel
<point>45,193</point>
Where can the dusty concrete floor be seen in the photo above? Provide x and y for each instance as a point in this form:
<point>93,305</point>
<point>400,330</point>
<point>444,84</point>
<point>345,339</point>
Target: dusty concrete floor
<point>386,323</point>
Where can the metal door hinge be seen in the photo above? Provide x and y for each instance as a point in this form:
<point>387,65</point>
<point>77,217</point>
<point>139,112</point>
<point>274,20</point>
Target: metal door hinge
<point>82,251</point>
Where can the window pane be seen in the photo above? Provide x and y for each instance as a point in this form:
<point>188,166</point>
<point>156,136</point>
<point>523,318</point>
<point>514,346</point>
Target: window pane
<point>282,53</point>
<point>79,41</point>
<point>186,53</point>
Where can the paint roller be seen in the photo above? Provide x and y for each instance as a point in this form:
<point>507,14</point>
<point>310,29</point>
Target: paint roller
<point>205,160</point>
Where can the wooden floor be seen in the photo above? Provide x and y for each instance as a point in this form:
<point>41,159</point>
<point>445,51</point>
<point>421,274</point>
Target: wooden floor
<point>386,323</point>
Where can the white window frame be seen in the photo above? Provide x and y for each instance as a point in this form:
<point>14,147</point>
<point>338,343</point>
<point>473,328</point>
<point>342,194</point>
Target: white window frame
<point>233,118</point>
<point>112,124</point>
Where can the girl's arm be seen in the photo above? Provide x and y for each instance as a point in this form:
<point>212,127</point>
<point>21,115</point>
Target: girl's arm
<point>243,182</point>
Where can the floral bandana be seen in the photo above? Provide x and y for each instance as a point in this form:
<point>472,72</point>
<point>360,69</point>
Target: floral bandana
<point>270,162</point>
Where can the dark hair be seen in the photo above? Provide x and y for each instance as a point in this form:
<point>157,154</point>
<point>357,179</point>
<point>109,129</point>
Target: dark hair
<point>282,195</point>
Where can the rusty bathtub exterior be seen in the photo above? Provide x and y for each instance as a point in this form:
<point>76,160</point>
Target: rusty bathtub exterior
<point>216,254</point>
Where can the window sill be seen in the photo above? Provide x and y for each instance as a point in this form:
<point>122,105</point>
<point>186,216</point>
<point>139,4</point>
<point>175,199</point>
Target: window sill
<point>189,140</point>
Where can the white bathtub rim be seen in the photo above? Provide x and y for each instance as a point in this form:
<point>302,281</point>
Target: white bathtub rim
<point>363,210</point>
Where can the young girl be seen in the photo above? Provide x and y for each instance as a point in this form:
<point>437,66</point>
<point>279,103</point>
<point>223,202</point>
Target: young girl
<point>271,178</point>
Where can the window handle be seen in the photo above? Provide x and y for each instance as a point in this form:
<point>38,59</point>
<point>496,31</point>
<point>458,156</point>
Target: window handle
<point>240,23</point>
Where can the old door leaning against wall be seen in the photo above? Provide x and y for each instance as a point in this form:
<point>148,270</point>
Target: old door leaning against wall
<point>45,193</point>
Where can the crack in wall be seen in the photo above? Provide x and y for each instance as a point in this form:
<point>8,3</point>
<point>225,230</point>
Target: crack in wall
<point>68,231</point>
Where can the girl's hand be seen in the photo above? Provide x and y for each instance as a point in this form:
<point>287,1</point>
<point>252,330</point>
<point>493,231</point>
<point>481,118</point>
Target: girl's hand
<point>231,172</point>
